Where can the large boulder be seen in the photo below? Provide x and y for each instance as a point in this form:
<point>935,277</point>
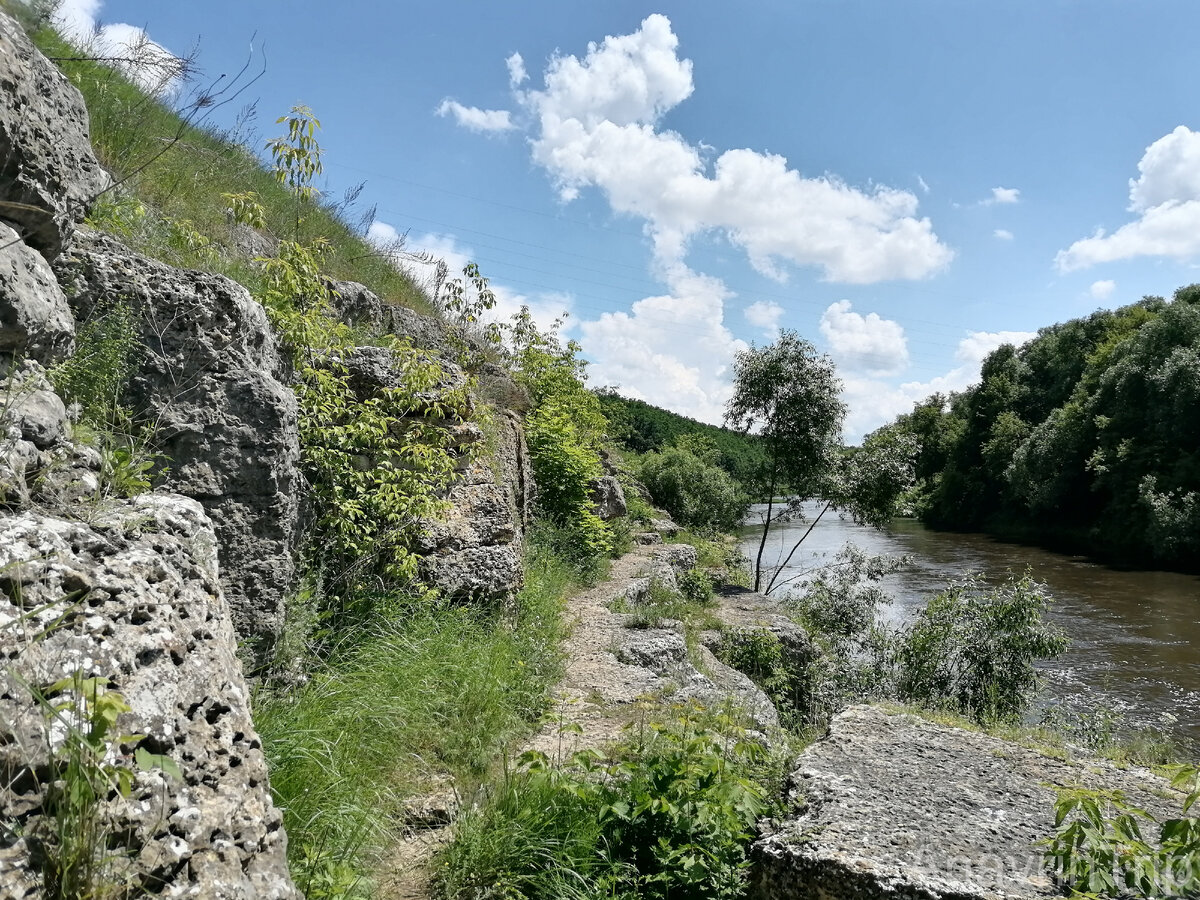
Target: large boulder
<point>133,600</point>
<point>48,172</point>
<point>608,498</point>
<point>893,806</point>
<point>211,383</point>
<point>35,320</point>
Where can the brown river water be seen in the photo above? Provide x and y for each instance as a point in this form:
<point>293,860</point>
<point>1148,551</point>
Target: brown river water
<point>1135,635</point>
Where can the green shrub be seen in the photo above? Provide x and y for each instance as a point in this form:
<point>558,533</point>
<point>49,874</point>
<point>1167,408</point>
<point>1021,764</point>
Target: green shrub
<point>696,494</point>
<point>696,586</point>
<point>669,812</point>
<point>972,649</point>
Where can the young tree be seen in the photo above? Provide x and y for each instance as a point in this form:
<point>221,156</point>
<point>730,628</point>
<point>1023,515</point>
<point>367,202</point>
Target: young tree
<point>792,394</point>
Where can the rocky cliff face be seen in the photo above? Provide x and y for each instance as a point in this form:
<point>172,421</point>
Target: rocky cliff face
<point>152,602</point>
<point>124,715</point>
<point>211,384</point>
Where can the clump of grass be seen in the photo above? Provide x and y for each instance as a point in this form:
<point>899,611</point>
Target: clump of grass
<point>443,689</point>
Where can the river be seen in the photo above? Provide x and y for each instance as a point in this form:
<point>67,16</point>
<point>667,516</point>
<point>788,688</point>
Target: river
<point>1135,636</point>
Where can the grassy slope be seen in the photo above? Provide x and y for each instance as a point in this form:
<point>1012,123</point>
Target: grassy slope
<point>130,129</point>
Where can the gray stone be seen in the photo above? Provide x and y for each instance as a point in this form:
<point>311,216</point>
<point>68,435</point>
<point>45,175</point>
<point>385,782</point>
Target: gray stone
<point>665,527</point>
<point>212,384</point>
<point>35,320</point>
<point>705,680</point>
<point>647,538</point>
<point>39,415</point>
<point>134,599</point>
<point>252,243</point>
<point>893,806</point>
<point>357,305</point>
<point>48,172</point>
<point>20,464</point>
<point>608,497</point>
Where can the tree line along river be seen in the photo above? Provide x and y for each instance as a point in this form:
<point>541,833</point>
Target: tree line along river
<point>1135,635</point>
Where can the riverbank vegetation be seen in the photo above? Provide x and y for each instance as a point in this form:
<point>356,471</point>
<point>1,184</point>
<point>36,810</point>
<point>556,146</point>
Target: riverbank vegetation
<point>1085,438</point>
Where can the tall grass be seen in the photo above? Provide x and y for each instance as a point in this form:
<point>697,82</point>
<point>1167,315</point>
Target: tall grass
<point>442,691</point>
<point>129,130</point>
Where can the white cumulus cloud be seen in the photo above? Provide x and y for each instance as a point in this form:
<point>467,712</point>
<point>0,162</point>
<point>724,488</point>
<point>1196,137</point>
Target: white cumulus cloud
<point>867,343</point>
<point>1102,290</point>
<point>1002,195</point>
<point>516,69</point>
<point>129,48</point>
<point>489,121</point>
<point>1166,197</point>
<point>1002,234</point>
<point>671,350</point>
<point>873,402</point>
<point>596,124</point>
<point>765,315</point>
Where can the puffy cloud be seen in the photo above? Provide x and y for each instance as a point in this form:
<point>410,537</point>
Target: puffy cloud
<point>1002,234</point>
<point>129,48</point>
<point>867,343</point>
<point>490,121</point>
<point>1102,290</point>
<point>516,69</point>
<point>596,123</point>
<point>671,350</point>
<point>1166,195</point>
<point>765,315</point>
<point>1002,195</point>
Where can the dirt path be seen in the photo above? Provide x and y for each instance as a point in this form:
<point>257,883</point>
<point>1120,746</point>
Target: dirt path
<point>612,675</point>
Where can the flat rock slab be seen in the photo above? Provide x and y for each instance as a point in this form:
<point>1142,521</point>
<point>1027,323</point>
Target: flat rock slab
<point>894,806</point>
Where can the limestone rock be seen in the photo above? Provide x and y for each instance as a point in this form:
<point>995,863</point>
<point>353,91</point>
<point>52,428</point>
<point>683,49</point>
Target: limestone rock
<point>891,805</point>
<point>355,304</point>
<point>134,599</point>
<point>46,160</point>
<point>608,497</point>
<point>39,415</point>
<point>212,382</point>
<point>35,320</point>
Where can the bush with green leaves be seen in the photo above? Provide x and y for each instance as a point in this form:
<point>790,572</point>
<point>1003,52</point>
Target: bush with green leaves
<point>1101,847</point>
<point>973,648</point>
<point>667,813</point>
<point>365,517</point>
<point>564,430</point>
<point>695,493</point>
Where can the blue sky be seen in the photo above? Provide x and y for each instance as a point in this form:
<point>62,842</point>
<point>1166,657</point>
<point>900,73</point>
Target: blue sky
<point>906,184</point>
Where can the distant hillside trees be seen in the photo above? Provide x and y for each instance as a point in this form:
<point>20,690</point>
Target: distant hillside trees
<point>1087,435</point>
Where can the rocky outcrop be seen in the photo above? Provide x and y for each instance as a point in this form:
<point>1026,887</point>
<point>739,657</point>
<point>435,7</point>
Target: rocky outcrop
<point>608,498</point>
<point>211,385</point>
<point>133,600</point>
<point>893,806</point>
<point>35,320</point>
<point>48,172</point>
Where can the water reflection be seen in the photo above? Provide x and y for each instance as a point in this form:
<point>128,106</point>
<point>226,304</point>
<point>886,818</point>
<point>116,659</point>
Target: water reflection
<point>1135,635</point>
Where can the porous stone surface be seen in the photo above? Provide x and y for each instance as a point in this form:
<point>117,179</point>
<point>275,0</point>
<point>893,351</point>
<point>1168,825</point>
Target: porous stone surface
<point>35,320</point>
<point>211,382</point>
<point>474,551</point>
<point>46,160</point>
<point>133,599</point>
<point>893,806</point>
<point>608,497</point>
<point>356,304</point>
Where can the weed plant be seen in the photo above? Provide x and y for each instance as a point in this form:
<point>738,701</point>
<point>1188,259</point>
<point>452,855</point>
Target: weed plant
<point>666,813</point>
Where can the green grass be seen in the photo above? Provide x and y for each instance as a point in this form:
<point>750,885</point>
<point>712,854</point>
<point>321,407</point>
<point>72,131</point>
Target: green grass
<point>441,692</point>
<point>129,129</point>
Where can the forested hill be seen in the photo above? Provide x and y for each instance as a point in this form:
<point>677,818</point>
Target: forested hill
<point>1087,437</point>
<point>641,427</point>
